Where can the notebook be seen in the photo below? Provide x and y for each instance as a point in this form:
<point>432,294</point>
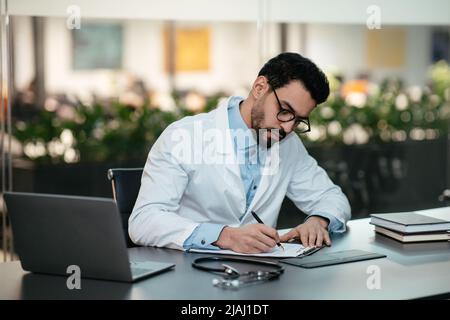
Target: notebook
<point>415,221</point>
<point>414,237</point>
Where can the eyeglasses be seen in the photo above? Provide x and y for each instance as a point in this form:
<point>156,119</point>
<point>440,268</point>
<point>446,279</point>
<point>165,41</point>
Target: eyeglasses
<point>301,124</point>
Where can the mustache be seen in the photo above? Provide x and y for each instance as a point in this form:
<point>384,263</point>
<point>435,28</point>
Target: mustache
<point>280,132</point>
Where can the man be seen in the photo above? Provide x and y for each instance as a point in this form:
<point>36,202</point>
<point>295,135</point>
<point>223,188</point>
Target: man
<point>206,175</point>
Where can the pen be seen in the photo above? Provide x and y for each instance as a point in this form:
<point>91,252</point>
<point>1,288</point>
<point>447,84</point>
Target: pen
<point>260,221</point>
<point>311,250</point>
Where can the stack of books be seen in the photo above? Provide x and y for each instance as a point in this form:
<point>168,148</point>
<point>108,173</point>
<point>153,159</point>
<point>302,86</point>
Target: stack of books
<point>415,226</point>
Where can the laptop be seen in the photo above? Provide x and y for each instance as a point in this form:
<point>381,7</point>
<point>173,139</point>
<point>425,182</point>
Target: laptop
<point>53,232</point>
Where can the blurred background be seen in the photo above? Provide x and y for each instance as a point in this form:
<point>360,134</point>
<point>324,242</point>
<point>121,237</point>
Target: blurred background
<point>90,85</point>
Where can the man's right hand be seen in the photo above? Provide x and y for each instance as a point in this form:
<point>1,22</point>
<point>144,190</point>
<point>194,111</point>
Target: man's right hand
<point>253,238</point>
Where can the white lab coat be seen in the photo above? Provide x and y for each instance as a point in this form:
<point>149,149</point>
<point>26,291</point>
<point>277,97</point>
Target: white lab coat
<point>180,190</point>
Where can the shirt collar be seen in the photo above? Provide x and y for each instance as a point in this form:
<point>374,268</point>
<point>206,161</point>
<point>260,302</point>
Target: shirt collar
<point>242,136</point>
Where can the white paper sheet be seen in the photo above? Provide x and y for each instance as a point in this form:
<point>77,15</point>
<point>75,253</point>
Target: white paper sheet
<point>290,250</point>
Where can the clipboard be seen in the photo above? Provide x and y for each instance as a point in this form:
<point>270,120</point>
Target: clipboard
<point>332,258</point>
<point>291,250</point>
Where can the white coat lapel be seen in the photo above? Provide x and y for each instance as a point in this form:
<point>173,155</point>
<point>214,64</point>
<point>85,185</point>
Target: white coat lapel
<point>227,158</point>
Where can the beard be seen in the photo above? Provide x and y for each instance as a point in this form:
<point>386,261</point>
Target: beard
<point>265,136</point>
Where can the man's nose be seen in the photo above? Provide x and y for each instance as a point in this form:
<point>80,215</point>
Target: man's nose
<point>287,126</point>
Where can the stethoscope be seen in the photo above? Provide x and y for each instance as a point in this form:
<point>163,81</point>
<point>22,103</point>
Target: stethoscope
<point>232,278</point>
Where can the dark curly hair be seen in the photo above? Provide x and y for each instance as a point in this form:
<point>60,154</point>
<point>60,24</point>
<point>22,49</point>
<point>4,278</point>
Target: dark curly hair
<point>288,66</point>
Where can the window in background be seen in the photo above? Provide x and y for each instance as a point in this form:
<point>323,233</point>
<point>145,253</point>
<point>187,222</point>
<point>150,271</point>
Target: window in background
<point>192,49</point>
<point>440,45</point>
<point>386,48</point>
<point>97,46</point>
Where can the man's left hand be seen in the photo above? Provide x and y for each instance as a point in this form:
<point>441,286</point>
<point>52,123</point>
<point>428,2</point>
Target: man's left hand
<point>313,232</point>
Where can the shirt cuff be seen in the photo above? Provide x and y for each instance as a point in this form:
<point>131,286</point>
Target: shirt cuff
<point>334,225</point>
<point>203,236</point>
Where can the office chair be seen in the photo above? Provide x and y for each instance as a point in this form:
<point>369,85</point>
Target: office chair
<point>445,197</point>
<point>126,183</point>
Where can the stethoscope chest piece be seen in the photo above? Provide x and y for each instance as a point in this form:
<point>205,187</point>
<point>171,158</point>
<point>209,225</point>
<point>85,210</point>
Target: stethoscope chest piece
<point>232,278</point>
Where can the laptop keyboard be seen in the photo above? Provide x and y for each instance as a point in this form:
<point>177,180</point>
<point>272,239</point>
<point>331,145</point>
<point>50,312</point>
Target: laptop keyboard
<point>139,268</point>
<point>139,271</point>
<point>144,268</point>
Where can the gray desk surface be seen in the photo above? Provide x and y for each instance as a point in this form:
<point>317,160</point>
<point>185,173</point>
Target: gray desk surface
<point>409,271</point>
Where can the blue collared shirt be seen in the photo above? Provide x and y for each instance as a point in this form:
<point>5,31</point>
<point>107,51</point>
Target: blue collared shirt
<point>251,159</point>
<point>249,154</point>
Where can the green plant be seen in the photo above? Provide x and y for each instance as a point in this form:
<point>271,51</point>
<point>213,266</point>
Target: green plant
<point>118,133</point>
<point>387,112</point>
<point>95,134</point>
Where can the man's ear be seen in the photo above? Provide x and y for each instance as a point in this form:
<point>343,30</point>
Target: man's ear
<point>260,87</point>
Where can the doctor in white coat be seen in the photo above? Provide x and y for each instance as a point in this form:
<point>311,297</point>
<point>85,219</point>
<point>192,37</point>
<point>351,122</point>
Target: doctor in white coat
<point>207,173</point>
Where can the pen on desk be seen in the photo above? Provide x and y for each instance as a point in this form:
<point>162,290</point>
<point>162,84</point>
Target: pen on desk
<point>260,221</point>
<point>311,250</point>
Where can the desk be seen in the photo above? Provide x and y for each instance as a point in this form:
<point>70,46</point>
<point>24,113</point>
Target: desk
<point>410,271</point>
